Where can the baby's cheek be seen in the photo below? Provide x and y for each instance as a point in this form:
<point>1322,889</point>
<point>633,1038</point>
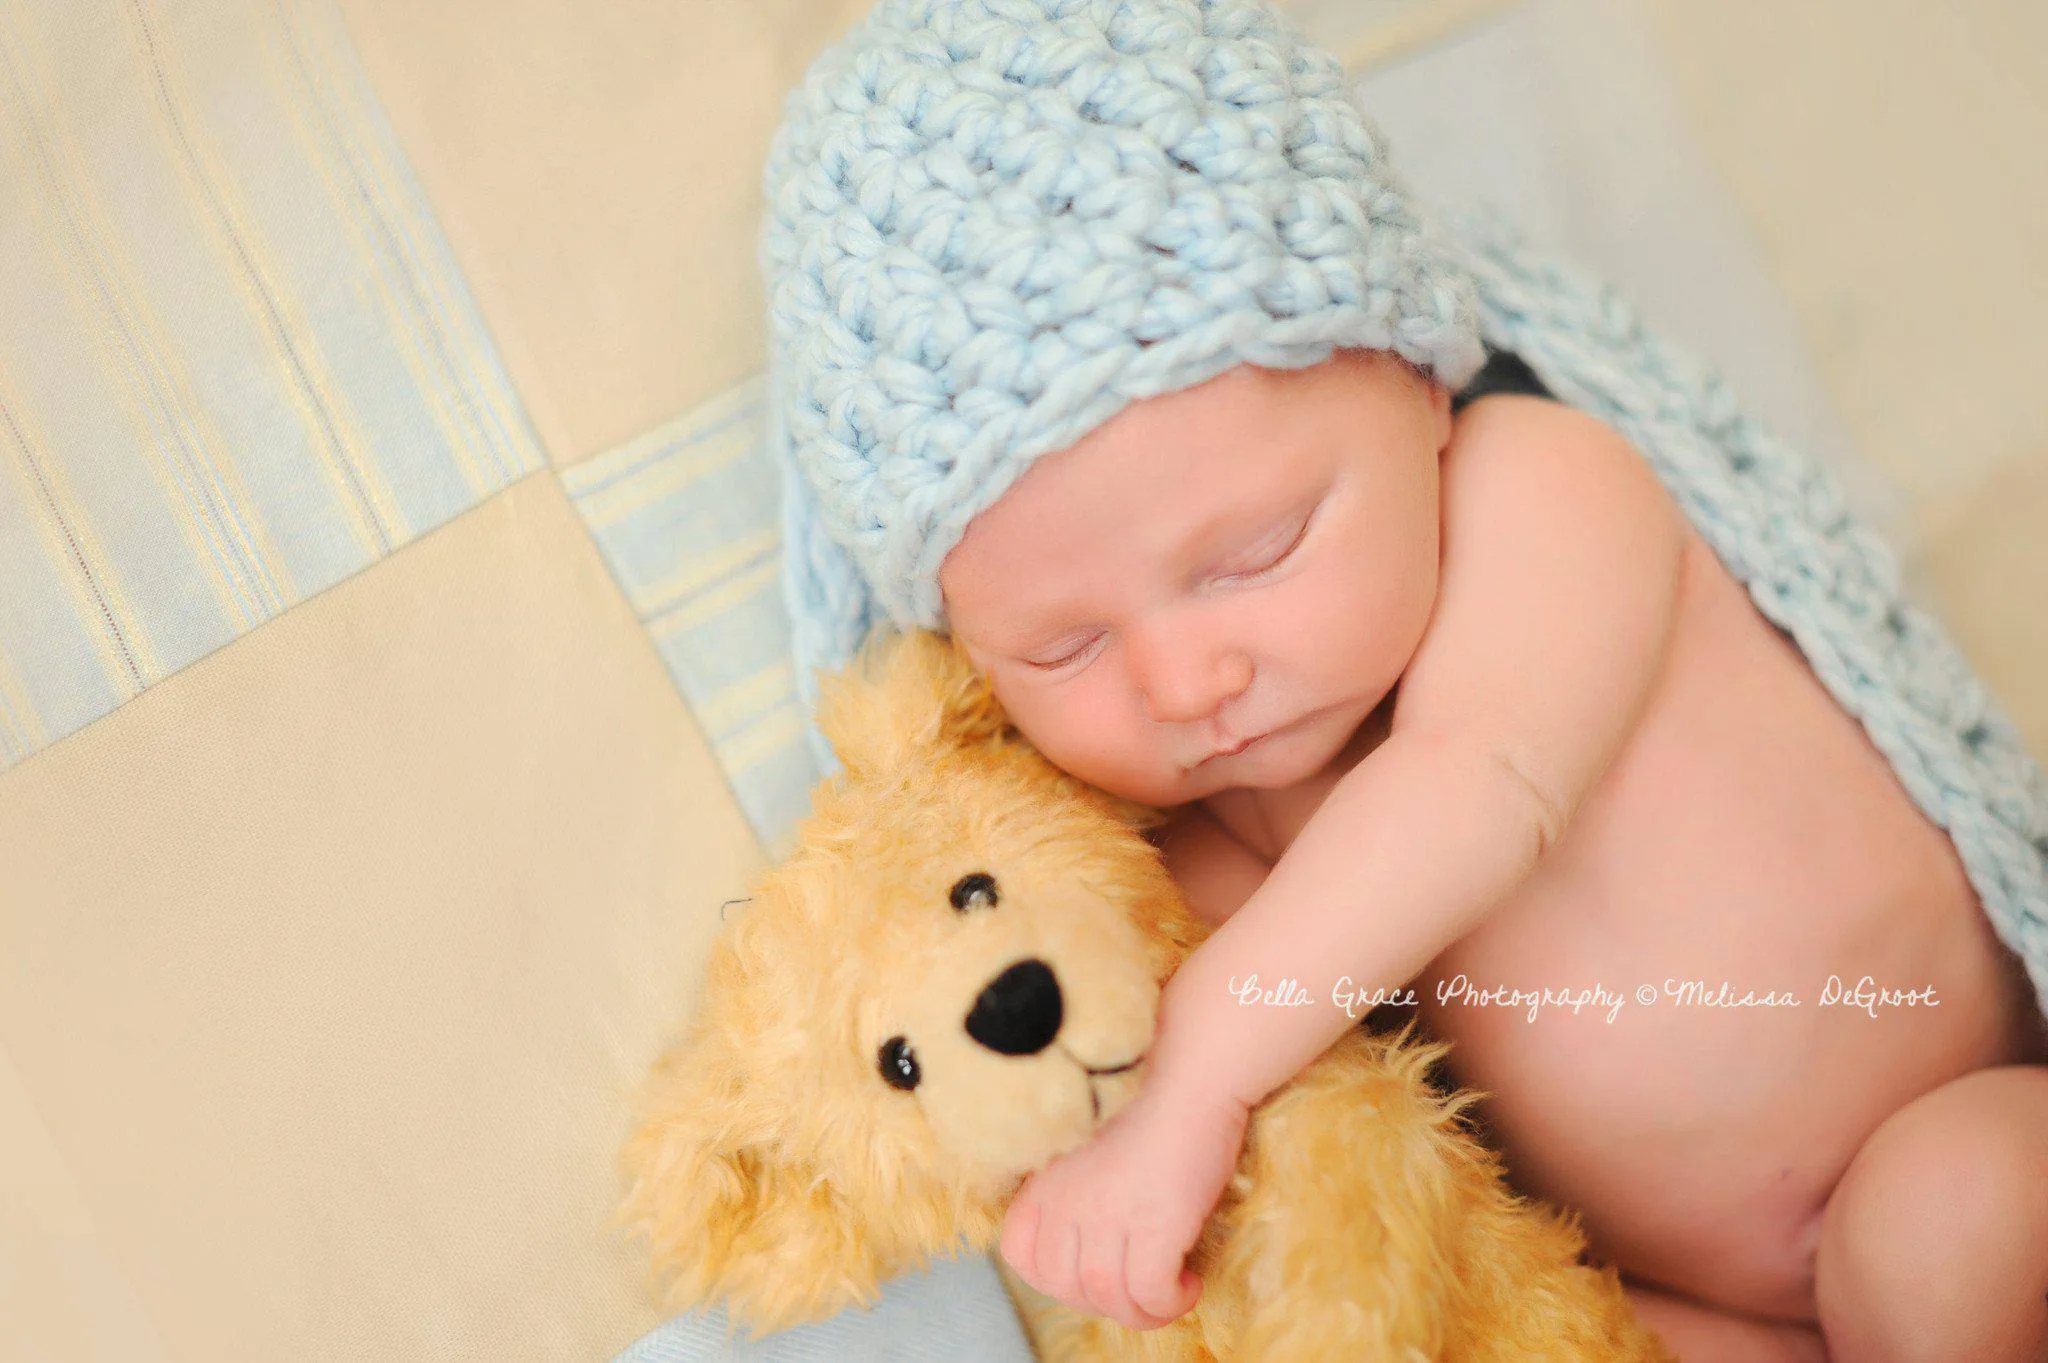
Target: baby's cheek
<point>1089,736</point>
<point>1367,623</point>
<point>1047,720</point>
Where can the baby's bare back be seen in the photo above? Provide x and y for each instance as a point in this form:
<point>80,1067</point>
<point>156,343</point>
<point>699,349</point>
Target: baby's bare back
<point>1748,834</point>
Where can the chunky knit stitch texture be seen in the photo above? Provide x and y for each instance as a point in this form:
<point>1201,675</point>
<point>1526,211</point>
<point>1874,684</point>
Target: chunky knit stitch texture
<point>993,223</point>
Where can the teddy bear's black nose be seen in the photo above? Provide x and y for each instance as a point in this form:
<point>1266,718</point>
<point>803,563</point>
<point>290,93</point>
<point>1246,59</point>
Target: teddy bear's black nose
<point>1019,1012</point>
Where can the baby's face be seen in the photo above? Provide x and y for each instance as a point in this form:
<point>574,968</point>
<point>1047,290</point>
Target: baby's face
<point>1251,559</point>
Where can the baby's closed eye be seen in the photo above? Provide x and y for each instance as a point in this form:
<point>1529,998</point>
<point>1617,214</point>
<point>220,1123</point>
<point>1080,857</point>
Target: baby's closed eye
<point>1271,551</point>
<point>1067,654</point>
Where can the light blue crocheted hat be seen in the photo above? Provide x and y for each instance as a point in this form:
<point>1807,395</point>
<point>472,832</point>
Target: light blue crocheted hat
<point>993,223</point>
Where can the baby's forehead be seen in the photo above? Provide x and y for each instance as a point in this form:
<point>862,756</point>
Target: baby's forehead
<point>1182,512</point>
<point>1169,485</point>
<point>1042,559</point>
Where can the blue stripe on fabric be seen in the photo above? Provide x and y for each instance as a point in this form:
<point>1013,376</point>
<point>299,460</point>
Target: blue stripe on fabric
<point>73,684</point>
<point>686,518</point>
<point>415,258</point>
<point>238,363</point>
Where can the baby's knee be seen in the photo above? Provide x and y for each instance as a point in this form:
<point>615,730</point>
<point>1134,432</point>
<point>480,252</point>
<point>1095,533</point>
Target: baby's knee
<point>1935,1243</point>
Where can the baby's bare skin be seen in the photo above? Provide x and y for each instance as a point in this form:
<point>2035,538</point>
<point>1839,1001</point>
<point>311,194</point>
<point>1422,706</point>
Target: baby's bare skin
<point>1749,832</point>
<point>1561,750</point>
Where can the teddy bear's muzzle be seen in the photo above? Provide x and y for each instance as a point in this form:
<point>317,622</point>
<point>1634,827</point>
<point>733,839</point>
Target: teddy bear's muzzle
<point>1019,1013</point>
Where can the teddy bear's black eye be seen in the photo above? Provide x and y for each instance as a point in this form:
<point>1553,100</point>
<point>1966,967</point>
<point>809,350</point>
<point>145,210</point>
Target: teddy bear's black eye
<point>898,1064</point>
<point>977,891</point>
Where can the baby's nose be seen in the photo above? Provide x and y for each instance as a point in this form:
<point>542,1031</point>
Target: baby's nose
<point>1187,681</point>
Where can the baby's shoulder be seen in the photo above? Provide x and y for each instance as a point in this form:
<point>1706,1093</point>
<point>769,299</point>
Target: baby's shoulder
<point>1546,450</point>
<point>1523,479</point>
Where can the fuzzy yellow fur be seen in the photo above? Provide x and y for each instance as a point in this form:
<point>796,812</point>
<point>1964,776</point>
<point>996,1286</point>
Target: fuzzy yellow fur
<point>772,1170</point>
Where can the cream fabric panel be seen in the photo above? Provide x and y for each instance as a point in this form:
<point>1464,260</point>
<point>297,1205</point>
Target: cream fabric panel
<point>326,966</point>
<point>61,1296</point>
<point>597,168</point>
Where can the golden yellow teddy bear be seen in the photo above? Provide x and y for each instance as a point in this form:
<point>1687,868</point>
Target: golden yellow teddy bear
<point>953,980</point>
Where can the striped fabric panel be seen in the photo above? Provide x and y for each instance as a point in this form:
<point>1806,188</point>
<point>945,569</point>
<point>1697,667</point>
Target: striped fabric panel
<point>237,360</point>
<point>687,517</point>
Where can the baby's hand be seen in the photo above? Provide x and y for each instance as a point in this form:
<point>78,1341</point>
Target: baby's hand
<point>1107,1228</point>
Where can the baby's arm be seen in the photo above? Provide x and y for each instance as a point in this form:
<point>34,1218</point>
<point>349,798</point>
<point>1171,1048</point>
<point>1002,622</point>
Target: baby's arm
<point>1560,565</point>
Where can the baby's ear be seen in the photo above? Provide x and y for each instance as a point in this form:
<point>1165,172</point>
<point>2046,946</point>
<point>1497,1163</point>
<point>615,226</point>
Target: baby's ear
<point>730,1215</point>
<point>904,696</point>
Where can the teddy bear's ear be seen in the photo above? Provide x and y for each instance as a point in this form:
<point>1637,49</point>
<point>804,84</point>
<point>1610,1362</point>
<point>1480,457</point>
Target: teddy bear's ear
<point>905,695</point>
<point>729,1216</point>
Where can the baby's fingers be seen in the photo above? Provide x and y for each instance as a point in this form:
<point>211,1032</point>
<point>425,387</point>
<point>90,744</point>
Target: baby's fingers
<point>1103,1269</point>
<point>1019,1242</point>
<point>1160,1285</point>
<point>1055,1262</point>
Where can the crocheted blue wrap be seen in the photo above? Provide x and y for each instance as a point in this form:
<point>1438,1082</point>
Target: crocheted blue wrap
<point>993,223</point>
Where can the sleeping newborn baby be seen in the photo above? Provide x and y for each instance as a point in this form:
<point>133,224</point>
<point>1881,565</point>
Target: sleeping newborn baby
<point>1103,339</point>
<point>1448,698</point>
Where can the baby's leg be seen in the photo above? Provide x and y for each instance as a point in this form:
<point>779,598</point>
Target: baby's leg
<point>1699,1333</point>
<point>1934,1245</point>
